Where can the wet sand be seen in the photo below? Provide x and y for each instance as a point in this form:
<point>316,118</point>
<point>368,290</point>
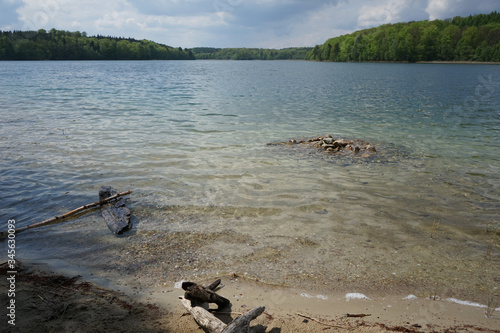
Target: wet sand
<point>49,301</point>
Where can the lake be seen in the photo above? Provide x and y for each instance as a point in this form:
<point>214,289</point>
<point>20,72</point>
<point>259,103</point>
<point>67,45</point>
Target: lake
<point>211,198</point>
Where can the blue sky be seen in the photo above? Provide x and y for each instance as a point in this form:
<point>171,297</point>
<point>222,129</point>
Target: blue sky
<point>228,23</point>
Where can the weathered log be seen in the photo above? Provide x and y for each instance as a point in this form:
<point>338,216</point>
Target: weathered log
<point>116,215</point>
<point>58,218</point>
<point>242,323</point>
<point>212,324</point>
<point>198,294</point>
<point>205,319</point>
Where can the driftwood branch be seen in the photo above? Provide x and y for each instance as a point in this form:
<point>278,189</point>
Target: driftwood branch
<point>242,323</point>
<point>212,324</point>
<point>322,323</point>
<point>197,295</point>
<point>360,315</point>
<point>4,234</point>
<point>205,319</point>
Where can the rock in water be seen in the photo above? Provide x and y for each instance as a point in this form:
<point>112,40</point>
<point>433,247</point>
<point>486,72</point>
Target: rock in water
<point>116,215</point>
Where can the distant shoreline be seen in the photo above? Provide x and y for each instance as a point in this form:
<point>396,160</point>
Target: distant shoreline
<point>350,62</point>
<point>375,62</point>
<point>460,62</point>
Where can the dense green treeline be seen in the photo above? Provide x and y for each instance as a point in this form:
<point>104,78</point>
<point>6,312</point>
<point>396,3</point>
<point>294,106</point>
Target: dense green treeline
<point>473,38</point>
<point>294,53</point>
<point>65,45</point>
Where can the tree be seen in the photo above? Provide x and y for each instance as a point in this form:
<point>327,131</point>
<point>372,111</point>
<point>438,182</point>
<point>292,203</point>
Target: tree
<point>108,48</point>
<point>325,53</point>
<point>465,47</point>
<point>447,44</point>
<point>428,43</point>
<point>6,49</point>
<point>335,51</point>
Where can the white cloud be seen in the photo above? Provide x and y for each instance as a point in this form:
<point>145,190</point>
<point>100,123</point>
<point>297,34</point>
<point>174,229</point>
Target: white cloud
<point>227,23</point>
<point>36,14</point>
<point>442,9</point>
<point>380,13</point>
<point>114,17</point>
<point>391,11</point>
<point>310,28</point>
<point>437,8</point>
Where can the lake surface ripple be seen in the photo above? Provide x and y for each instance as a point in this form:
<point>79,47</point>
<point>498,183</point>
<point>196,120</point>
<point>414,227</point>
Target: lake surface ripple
<point>211,198</point>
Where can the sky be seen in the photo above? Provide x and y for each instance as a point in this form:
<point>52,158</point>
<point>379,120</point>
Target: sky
<point>228,23</point>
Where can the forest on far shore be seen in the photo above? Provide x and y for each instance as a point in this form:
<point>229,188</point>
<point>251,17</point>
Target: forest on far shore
<point>66,45</point>
<point>472,38</point>
<point>292,53</point>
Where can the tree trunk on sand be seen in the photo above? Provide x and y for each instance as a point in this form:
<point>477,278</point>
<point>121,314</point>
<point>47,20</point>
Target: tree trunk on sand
<point>197,295</point>
<point>212,324</point>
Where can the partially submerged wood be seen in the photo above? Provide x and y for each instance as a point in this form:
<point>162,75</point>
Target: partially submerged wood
<point>196,295</point>
<point>116,214</point>
<point>59,218</point>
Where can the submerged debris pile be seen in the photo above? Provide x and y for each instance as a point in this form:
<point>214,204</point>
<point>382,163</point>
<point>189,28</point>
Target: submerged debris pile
<point>330,145</point>
<point>343,151</point>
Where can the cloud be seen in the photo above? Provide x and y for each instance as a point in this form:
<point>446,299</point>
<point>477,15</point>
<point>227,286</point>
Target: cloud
<point>67,13</point>
<point>227,23</point>
<point>327,21</point>
<point>113,17</point>
<point>442,9</point>
<point>390,11</point>
<point>279,24</point>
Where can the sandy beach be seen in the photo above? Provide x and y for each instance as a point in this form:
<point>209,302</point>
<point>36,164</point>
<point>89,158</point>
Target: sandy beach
<point>48,301</point>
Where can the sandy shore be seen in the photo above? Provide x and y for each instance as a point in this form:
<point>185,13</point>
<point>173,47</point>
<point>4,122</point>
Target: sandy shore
<point>48,301</point>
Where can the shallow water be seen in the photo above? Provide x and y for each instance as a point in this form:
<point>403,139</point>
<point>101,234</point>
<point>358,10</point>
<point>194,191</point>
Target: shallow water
<point>210,197</point>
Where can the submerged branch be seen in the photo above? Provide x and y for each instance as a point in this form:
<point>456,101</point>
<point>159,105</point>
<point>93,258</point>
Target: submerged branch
<point>54,219</point>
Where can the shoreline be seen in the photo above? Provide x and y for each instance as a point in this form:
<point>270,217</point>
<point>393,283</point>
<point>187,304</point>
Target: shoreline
<point>152,260</point>
<point>447,62</point>
<point>460,62</point>
<point>81,301</point>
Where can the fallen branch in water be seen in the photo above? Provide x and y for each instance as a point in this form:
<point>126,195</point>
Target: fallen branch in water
<point>4,234</point>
